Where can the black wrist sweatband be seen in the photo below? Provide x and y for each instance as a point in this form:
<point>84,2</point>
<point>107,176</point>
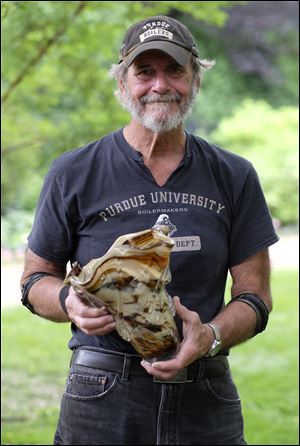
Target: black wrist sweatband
<point>31,280</point>
<point>63,294</point>
<point>258,305</point>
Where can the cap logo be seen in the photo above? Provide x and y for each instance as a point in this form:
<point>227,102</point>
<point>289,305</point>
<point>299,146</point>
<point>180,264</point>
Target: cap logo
<point>157,23</point>
<point>155,32</point>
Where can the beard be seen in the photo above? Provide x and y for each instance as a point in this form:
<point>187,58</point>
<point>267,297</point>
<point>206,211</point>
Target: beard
<point>160,118</point>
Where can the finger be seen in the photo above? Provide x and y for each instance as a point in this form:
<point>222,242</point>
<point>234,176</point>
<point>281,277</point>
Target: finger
<point>158,373</point>
<point>91,323</point>
<point>92,312</point>
<point>166,366</point>
<point>100,331</point>
<point>95,326</point>
<point>82,308</point>
<point>181,310</point>
<point>189,317</point>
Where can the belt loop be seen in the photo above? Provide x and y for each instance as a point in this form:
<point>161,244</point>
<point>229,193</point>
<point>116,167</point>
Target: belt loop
<point>126,368</point>
<point>72,357</point>
<point>201,369</point>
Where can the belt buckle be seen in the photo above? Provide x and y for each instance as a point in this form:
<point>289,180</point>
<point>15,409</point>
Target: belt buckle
<point>180,378</point>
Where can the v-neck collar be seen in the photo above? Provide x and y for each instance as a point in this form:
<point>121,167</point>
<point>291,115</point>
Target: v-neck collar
<point>138,156</point>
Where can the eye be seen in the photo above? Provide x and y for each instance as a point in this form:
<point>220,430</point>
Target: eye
<point>175,71</point>
<point>144,73</point>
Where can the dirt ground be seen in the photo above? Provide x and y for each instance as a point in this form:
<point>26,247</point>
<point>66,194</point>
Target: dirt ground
<point>284,254</point>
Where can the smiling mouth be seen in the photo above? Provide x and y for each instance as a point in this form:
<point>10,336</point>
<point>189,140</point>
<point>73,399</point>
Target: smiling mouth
<point>161,102</point>
<point>153,99</point>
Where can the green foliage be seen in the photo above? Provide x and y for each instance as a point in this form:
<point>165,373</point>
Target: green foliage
<point>221,85</point>
<point>57,95</point>
<point>265,369</point>
<point>15,227</point>
<point>256,54</point>
<point>287,76</point>
<point>213,12</point>
<point>269,139</point>
<point>56,91</point>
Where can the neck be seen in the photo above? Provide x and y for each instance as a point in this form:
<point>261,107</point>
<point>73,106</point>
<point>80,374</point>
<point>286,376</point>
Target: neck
<point>155,145</point>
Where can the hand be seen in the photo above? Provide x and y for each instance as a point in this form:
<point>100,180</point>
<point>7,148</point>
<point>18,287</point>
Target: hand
<point>92,321</point>
<point>197,339</point>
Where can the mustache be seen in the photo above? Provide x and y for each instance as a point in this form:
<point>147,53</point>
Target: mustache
<point>155,97</point>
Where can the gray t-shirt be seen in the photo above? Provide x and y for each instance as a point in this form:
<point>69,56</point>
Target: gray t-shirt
<point>214,200</point>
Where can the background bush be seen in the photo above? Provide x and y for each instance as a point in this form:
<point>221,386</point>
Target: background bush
<point>268,138</point>
<point>56,94</point>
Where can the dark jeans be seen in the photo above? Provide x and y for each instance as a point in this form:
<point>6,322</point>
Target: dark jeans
<point>101,408</point>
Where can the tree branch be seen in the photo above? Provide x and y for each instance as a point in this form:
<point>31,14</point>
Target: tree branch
<point>43,50</point>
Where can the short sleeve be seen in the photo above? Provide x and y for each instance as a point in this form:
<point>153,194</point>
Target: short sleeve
<point>252,227</point>
<point>52,231</point>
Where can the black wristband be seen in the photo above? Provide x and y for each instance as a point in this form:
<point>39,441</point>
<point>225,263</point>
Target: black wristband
<point>63,294</point>
<point>258,305</point>
<point>31,280</point>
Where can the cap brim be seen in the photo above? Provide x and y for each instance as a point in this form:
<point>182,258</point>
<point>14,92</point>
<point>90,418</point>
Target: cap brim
<point>177,52</point>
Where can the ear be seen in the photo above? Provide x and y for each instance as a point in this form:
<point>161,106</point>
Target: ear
<point>121,85</point>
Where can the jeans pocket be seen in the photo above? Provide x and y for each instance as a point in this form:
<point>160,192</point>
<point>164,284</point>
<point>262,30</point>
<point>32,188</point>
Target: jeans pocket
<point>82,386</point>
<point>223,388</point>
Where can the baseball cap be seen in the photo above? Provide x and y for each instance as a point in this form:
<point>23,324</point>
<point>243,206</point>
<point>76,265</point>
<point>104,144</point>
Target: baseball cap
<point>158,33</point>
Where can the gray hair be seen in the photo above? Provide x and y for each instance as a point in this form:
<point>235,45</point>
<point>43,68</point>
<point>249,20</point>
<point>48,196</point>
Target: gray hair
<point>201,65</point>
<point>119,71</point>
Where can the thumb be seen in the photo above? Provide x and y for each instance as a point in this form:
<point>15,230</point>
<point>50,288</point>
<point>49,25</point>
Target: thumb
<point>181,310</point>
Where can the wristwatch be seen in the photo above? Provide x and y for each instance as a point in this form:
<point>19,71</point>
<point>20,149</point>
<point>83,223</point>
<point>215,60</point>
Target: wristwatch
<point>217,344</point>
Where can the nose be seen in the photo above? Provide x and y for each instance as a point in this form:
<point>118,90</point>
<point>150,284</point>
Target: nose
<point>160,83</point>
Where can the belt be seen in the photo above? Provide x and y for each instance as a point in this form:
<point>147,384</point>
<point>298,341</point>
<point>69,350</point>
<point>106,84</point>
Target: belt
<point>127,364</point>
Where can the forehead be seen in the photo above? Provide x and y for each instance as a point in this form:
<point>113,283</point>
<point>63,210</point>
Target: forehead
<point>152,57</point>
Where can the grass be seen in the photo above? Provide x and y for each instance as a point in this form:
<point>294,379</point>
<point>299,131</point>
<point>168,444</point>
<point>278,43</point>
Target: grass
<point>35,362</point>
<point>266,370</point>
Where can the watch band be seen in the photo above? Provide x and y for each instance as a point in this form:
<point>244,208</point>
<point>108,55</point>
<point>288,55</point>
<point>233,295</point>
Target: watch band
<point>216,331</point>
<point>217,344</point>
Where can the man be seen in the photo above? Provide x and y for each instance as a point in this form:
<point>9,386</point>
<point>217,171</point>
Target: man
<point>220,220</point>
